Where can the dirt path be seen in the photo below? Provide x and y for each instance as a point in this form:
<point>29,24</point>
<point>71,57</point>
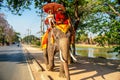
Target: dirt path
<point>85,69</point>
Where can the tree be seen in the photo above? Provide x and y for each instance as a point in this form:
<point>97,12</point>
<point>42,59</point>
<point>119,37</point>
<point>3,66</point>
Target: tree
<point>16,37</point>
<point>77,8</point>
<point>3,25</point>
<point>97,16</point>
<point>31,39</point>
<point>6,31</point>
<point>18,6</point>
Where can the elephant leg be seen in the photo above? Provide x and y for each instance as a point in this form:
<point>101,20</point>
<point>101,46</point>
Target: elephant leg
<point>66,70</point>
<point>64,53</point>
<point>51,60</point>
<point>70,60</point>
<point>62,72</point>
<point>45,57</point>
<point>73,47</point>
<point>65,65</point>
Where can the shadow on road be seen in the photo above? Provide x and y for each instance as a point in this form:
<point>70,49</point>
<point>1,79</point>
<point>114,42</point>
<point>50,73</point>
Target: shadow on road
<point>97,67</point>
<point>102,67</point>
<point>14,57</point>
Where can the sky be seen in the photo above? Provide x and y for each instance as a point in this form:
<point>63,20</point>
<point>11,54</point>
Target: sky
<point>28,20</point>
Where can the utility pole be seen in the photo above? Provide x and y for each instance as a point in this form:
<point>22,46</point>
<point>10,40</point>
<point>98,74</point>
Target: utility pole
<point>28,35</point>
<point>41,24</point>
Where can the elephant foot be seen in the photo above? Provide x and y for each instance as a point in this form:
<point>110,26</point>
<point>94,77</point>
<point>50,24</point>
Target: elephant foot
<point>49,68</point>
<point>62,75</point>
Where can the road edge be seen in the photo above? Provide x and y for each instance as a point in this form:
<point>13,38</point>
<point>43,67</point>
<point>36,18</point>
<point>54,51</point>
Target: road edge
<point>31,74</point>
<point>38,67</point>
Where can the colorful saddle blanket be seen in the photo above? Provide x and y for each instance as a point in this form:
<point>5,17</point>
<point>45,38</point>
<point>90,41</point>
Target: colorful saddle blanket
<point>63,27</point>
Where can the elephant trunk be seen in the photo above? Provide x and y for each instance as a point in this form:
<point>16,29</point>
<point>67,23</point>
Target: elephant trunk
<point>64,52</point>
<point>66,70</point>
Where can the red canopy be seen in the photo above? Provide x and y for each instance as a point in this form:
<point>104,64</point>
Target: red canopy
<point>53,7</point>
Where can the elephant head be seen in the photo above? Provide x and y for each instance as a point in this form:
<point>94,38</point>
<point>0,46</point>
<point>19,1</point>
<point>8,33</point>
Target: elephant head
<point>61,44</point>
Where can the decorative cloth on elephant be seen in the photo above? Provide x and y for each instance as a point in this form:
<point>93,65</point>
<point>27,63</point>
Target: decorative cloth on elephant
<point>45,39</point>
<point>62,21</point>
<point>60,17</point>
<point>63,27</point>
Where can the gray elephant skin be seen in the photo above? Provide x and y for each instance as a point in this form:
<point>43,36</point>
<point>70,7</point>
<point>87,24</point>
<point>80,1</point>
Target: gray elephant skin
<point>61,44</point>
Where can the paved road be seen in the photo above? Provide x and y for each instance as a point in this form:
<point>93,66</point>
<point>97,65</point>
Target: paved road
<point>13,64</point>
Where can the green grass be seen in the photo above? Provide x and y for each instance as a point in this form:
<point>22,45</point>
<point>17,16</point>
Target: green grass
<point>36,46</point>
<point>90,46</point>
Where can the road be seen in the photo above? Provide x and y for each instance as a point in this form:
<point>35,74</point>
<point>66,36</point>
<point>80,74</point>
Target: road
<point>13,65</point>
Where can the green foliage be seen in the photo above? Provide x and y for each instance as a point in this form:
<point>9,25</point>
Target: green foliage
<point>7,34</point>
<point>81,36</point>
<point>31,39</point>
<point>18,6</point>
<point>101,40</point>
<point>100,17</point>
<point>16,37</point>
<point>38,43</point>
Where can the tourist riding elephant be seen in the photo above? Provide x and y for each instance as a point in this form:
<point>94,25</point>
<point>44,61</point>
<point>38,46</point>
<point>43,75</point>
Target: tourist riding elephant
<point>61,44</point>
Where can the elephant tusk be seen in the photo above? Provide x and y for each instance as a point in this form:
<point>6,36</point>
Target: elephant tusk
<point>61,58</point>
<point>73,57</point>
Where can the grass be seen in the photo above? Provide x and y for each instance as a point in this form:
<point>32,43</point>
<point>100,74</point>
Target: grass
<point>80,46</point>
<point>36,46</point>
<point>90,46</point>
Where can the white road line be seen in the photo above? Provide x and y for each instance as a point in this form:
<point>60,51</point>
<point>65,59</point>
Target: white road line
<point>31,74</point>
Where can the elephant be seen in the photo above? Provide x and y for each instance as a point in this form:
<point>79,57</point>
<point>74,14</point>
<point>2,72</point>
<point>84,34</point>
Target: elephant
<point>62,45</point>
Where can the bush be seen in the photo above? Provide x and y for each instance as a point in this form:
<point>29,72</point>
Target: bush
<point>38,43</point>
